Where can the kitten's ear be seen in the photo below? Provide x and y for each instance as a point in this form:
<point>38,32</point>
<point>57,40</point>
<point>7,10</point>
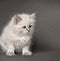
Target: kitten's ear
<point>33,15</point>
<point>17,19</point>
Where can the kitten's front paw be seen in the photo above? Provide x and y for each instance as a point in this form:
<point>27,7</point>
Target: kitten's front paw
<point>10,53</point>
<point>27,53</point>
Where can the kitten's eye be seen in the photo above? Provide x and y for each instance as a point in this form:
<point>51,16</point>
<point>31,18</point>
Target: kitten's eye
<point>30,26</point>
<point>24,26</point>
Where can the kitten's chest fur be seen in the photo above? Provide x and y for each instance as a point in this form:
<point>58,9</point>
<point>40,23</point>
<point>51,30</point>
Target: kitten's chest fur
<point>21,41</point>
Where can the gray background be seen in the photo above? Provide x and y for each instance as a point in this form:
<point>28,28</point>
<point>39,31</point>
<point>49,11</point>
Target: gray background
<point>47,30</point>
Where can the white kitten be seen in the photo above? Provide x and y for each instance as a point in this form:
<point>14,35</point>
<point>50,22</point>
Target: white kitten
<point>17,34</point>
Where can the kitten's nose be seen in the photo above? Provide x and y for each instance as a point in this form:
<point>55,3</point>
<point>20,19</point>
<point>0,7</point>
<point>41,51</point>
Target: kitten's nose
<point>28,30</point>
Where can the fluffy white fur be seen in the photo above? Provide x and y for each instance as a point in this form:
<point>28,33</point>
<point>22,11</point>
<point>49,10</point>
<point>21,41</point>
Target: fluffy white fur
<point>17,34</point>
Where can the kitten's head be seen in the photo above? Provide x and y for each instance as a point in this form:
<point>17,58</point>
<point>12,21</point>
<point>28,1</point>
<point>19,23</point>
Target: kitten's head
<point>24,23</point>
